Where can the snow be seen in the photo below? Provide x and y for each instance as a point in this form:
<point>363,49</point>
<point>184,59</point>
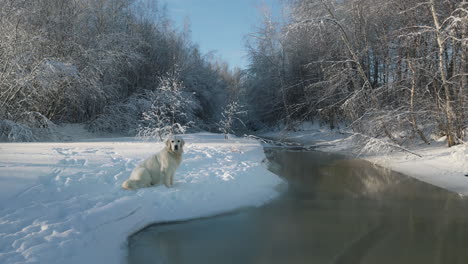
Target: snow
<point>62,202</point>
<point>439,165</point>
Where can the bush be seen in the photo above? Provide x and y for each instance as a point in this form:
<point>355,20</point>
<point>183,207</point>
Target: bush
<point>14,132</point>
<point>30,126</point>
<point>122,117</point>
<point>172,110</point>
<point>151,114</point>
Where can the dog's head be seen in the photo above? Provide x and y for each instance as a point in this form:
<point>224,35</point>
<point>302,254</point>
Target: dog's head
<point>175,144</point>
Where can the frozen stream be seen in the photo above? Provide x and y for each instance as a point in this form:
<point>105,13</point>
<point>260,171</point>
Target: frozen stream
<point>334,210</point>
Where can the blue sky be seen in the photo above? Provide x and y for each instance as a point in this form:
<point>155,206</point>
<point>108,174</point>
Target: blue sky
<point>220,25</point>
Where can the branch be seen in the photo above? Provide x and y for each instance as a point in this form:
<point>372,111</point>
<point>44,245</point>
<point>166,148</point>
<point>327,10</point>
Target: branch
<point>383,143</point>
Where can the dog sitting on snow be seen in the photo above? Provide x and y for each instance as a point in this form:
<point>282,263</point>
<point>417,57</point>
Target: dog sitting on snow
<point>159,168</point>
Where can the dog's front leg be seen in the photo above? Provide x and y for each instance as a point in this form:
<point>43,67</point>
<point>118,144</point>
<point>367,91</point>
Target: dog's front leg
<point>167,180</point>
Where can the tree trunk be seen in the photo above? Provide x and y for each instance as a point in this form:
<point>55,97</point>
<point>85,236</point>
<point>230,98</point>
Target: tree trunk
<point>463,71</point>
<point>413,119</point>
<point>448,107</point>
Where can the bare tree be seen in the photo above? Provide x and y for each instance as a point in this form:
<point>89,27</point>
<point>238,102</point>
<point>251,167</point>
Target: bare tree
<point>394,69</point>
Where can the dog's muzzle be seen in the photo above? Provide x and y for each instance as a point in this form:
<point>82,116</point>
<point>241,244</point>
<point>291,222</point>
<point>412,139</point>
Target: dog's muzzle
<point>176,147</point>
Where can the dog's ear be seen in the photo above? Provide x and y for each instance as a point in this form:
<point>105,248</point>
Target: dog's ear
<point>182,142</point>
<point>168,143</point>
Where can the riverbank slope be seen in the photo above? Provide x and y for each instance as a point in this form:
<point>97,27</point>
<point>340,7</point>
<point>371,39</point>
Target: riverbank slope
<point>435,163</point>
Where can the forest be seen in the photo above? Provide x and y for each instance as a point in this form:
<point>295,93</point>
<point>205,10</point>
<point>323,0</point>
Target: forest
<point>118,66</point>
<point>381,68</point>
<point>394,69</point>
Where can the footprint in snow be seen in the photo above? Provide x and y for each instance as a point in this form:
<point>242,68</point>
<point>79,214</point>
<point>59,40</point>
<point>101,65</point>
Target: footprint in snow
<point>90,150</point>
<point>80,162</point>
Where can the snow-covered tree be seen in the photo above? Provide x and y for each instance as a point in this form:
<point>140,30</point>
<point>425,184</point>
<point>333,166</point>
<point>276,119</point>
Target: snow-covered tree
<point>172,110</point>
<point>98,61</point>
<point>231,118</point>
<point>393,69</point>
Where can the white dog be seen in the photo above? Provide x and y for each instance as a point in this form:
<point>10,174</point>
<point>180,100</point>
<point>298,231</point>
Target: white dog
<point>159,168</point>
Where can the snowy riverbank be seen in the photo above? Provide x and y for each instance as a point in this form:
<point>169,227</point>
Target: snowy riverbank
<point>439,165</point>
<point>62,202</point>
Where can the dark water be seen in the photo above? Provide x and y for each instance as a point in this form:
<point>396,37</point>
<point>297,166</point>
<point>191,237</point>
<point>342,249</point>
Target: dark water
<point>334,210</point>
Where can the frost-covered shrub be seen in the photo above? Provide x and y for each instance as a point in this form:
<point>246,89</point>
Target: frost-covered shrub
<point>14,132</point>
<point>122,117</point>
<point>41,127</point>
<point>30,126</point>
<point>230,121</point>
<point>172,110</point>
<point>64,93</point>
<point>35,120</point>
<point>399,125</point>
<point>167,110</point>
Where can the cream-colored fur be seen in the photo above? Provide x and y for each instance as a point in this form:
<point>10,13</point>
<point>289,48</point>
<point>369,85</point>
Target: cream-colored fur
<point>159,168</point>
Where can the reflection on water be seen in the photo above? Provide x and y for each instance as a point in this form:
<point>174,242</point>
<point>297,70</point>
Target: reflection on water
<point>335,210</point>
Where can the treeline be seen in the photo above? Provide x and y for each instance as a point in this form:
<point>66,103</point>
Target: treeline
<point>393,68</point>
<point>101,62</point>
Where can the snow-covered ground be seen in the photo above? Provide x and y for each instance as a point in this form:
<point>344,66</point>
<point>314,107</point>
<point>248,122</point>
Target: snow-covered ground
<point>62,202</point>
<point>439,165</point>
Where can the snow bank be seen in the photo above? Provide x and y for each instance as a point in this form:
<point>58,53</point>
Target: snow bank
<point>439,165</point>
<point>62,202</point>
